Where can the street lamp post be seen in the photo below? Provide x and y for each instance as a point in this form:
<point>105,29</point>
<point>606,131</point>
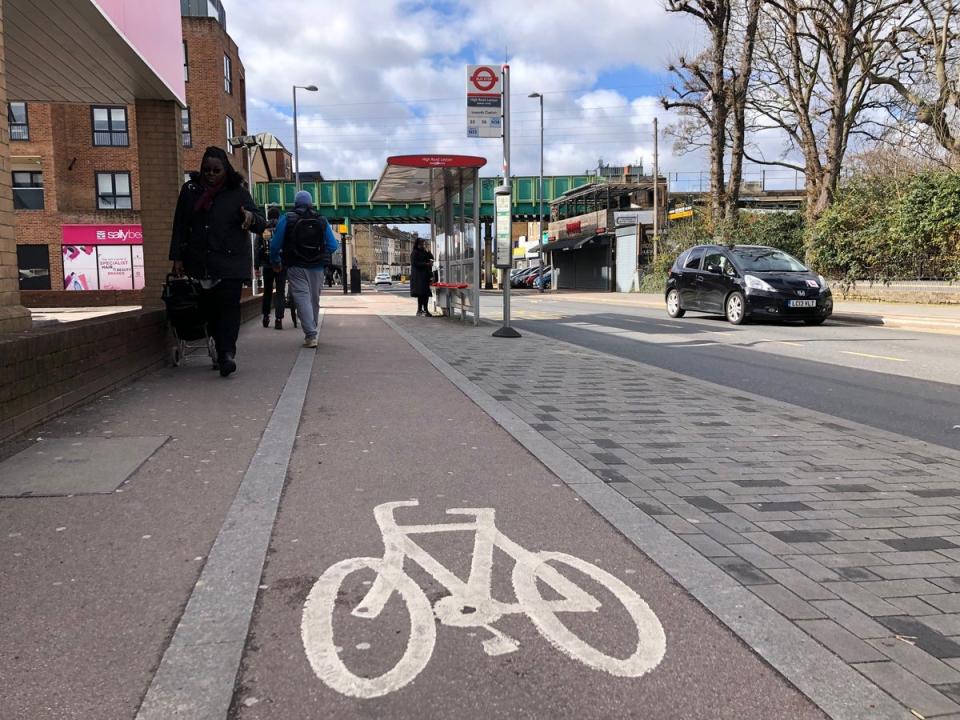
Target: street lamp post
<point>250,143</point>
<point>296,140</point>
<point>540,193</point>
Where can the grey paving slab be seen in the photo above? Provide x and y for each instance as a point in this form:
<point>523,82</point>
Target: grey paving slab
<point>839,640</point>
<point>75,465</point>
<point>913,692</point>
<point>921,663</point>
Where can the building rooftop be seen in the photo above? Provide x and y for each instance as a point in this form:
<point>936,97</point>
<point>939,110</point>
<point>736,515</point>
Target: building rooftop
<point>204,8</point>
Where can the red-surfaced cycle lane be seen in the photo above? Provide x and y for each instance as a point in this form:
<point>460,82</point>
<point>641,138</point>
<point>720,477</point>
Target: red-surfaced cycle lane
<point>424,564</point>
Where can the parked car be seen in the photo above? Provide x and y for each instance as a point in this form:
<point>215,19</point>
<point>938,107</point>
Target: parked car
<point>531,279</point>
<point>520,277</point>
<point>743,281</point>
<point>547,278</point>
<point>383,278</point>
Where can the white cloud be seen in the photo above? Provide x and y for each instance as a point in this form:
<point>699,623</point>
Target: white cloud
<point>391,77</point>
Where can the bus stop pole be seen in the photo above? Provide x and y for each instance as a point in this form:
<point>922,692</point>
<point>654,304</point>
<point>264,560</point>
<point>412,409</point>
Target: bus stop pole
<point>504,214</point>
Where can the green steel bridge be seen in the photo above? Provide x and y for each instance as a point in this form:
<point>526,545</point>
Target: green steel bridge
<point>349,200</point>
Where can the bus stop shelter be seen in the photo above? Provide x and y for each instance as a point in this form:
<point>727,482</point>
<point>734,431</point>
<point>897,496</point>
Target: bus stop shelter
<point>450,184</point>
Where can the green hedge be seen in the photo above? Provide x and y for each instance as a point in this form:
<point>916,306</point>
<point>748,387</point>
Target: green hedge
<point>883,228</point>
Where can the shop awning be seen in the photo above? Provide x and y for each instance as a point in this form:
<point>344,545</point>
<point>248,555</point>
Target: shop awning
<point>407,178</point>
<point>574,243</point>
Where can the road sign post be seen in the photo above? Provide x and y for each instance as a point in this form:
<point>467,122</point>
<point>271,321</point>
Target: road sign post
<point>504,213</point>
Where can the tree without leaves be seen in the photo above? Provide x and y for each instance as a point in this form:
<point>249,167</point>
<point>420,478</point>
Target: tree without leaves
<point>712,92</point>
<point>925,80</point>
<point>813,81</point>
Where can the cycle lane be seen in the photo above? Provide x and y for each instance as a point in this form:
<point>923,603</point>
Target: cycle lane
<point>381,425</point>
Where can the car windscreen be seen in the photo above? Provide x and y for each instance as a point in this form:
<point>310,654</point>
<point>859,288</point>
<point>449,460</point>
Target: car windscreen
<point>767,260</point>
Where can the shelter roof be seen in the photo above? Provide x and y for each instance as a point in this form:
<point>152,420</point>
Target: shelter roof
<point>414,178</point>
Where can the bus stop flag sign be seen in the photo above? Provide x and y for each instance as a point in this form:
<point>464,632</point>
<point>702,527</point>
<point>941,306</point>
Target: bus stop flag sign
<point>484,102</point>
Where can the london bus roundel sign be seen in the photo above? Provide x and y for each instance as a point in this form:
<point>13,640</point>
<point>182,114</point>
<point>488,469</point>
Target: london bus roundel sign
<point>485,78</point>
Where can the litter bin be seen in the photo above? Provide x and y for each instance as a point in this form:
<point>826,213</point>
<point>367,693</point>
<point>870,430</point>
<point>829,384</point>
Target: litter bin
<point>355,281</point>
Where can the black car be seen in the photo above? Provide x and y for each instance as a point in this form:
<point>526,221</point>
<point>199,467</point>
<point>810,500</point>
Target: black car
<point>742,281</point>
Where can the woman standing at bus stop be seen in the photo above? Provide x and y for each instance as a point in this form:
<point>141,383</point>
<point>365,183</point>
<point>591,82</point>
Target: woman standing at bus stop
<point>210,244</point>
<point>421,274</point>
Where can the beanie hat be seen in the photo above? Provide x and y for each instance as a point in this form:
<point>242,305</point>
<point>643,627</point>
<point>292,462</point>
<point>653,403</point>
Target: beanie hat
<point>303,199</point>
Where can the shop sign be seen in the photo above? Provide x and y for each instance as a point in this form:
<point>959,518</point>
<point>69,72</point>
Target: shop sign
<point>102,234</point>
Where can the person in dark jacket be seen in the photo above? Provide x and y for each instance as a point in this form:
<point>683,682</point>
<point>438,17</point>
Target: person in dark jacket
<point>270,277</point>
<point>211,244</point>
<point>421,275</point>
<point>303,244</point>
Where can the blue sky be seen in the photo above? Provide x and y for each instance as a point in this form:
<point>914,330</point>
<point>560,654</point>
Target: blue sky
<point>392,74</point>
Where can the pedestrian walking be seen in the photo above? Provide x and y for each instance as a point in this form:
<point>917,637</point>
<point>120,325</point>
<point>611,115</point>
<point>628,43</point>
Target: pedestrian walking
<point>303,243</point>
<point>271,279</point>
<point>421,274</point>
<point>210,243</point>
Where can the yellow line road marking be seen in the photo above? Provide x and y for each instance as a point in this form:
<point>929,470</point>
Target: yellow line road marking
<point>784,342</point>
<point>875,357</point>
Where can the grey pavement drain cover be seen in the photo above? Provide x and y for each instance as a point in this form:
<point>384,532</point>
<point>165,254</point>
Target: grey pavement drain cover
<point>75,465</point>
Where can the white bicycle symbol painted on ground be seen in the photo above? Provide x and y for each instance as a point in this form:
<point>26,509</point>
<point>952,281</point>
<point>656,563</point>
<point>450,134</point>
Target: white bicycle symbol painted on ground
<point>470,604</point>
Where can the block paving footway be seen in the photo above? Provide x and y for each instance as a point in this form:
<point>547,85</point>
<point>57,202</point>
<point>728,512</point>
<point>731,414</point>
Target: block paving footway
<point>850,533</point>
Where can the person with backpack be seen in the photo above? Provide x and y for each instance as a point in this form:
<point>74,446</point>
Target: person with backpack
<point>271,278</point>
<point>210,244</point>
<point>303,244</point>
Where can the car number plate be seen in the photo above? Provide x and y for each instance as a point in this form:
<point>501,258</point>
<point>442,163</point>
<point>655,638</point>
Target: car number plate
<point>802,303</point>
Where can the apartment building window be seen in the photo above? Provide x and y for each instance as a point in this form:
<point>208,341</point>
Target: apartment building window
<point>186,63</point>
<point>18,121</point>
<point>113,191</point>
<point>185,127</point>
<point>27,190</point>
<point>228,74</point>
<point>229,134</point>
<point>110,127</point>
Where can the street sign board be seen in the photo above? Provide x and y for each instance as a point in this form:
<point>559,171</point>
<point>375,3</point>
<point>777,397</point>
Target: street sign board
<point>504,243</point>
<point>484,101</point>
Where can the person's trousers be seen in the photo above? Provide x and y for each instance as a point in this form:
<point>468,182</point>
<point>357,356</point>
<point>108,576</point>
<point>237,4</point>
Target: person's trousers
<point>271,279</point>
<point>221,309</point>
<point>305,286</point>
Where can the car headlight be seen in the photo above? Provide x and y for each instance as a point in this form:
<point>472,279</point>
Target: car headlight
<point>755,283</point>
<point>823,282</point>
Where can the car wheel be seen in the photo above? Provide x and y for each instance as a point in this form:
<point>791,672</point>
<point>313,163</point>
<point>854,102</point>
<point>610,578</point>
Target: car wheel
<point>735,308</point>
<point>814,321</point>
<point>673,305</point>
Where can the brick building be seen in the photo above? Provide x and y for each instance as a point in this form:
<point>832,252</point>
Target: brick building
<point>216,84</point>
<point>76,172</point>
<point>378,248</point>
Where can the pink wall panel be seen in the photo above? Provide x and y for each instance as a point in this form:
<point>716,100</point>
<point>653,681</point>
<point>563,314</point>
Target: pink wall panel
<point>153,28</point>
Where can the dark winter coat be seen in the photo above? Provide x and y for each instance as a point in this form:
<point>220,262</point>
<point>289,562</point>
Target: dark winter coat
<point>421,272</point>
<point>261,258</point>
<point>212,243</point>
